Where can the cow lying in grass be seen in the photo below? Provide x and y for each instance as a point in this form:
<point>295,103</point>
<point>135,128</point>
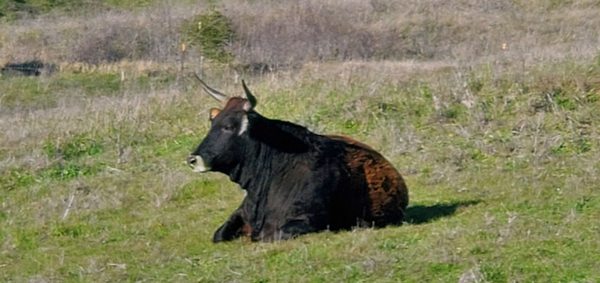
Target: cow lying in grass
<point>296,181</point>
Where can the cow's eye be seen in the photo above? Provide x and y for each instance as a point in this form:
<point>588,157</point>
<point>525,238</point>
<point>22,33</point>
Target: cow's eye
<point>228,128</point>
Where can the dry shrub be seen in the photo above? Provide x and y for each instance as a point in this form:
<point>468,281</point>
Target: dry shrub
<point>150,34</point>
<point>116,36</point>
<point>285,33</point>
<point>290,33</point>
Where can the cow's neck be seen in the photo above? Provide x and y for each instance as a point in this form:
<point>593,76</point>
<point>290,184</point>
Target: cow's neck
<point>256,170</point>
<point>270,145</point>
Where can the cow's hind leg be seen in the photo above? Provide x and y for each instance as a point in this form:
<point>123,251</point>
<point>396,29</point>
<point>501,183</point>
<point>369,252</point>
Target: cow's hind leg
<point>231,229</point>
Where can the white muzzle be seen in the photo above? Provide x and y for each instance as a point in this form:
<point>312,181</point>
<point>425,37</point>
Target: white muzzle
<point>197,164</point>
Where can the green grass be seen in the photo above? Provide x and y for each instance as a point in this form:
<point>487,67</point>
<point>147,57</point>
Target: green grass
<point>502,190</point>
<point>501,158</point>
<point>498,140</point>
<point>16,9</point>
<point>46,92</point>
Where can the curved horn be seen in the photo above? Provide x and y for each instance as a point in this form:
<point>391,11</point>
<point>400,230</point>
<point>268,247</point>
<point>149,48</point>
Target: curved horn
<point>249,95</point>
<point>211,91</point>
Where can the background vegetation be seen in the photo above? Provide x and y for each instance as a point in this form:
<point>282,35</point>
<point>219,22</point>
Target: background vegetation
<point>489,110</point>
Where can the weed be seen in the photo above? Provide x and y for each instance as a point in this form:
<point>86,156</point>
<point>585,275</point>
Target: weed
<point>26,239</point>
<point>73,148</point>
<point>16,178</point>
<point>71,231</point>
<point>577,146</point>
<point>453,112</point>
<point>67,171</point>
<point>493,272</point>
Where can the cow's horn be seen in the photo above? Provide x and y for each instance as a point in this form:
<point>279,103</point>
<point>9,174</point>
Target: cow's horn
<point>213,92</point>
<point>249,95</point>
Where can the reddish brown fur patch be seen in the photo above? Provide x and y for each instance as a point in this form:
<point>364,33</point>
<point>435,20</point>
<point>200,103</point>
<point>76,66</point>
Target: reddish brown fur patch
<point>235,104</point>
<point>387,192</point>
<point>246,230</point>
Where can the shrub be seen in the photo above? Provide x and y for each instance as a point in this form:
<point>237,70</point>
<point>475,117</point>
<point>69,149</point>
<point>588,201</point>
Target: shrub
<point>211,33</point>
<point>113,43</point>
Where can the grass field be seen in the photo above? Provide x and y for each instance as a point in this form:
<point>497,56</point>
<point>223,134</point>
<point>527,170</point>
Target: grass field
<point>501,154</point>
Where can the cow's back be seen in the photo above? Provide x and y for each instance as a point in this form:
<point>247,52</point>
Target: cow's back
<point>385,188</point>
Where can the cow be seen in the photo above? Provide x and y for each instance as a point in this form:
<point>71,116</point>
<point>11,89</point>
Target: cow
<point>296,181</point>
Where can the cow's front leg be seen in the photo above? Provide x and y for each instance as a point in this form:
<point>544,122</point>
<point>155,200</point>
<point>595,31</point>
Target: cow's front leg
<point>231,229</point>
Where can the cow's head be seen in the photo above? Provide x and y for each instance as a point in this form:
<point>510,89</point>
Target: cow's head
<point>223,145</point>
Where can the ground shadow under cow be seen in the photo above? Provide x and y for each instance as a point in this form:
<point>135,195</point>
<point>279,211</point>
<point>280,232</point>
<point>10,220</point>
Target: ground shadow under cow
<point>420,214</point>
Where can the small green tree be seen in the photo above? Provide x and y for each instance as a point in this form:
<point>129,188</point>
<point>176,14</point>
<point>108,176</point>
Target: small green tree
<point>211,33</point>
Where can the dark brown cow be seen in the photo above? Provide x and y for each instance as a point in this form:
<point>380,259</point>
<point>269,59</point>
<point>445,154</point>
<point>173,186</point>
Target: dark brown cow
<point>296,181</point>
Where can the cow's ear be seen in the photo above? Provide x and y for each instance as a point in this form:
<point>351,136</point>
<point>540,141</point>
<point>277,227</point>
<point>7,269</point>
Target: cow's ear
<point>213,113</point>
<point>248,106</point>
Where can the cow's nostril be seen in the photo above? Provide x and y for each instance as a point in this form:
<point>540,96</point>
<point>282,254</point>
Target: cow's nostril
<point>197,163</point>
<point>192,161</point>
